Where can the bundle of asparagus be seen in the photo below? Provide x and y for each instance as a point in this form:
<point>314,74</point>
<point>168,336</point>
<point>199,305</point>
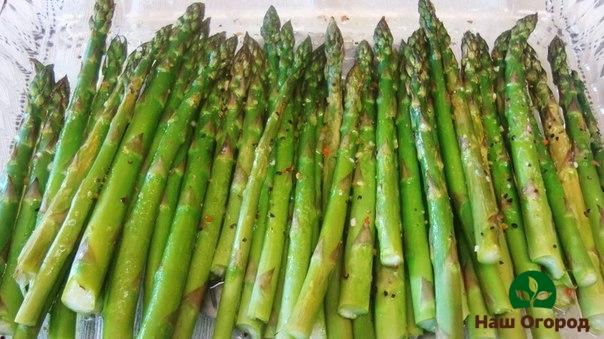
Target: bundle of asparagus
<point>399,198</point>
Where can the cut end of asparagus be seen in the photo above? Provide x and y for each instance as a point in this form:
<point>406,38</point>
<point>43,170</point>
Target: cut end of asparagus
<point>78,299</point>
<point>553,266</point>
<point>428,325</point>
<point>352,311</point>
<point>488,254</point>
<point>390,259</point>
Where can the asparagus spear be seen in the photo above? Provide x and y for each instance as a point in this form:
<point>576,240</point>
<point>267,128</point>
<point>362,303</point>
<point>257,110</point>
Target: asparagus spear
<point>415,230</point>
<point>579,261</point>
<point>52,217</point>
<point>252,326</point>
<point>497,301</point>
<point>592,124</point>
<point>269,266</point>
<point>476,302</point>
<point>194,56</point>
<point>111,69</point>
<point>358,256</point>
<point>387,210</point>
<point>565,219</point>
<point>88,270</point>
<point>592,192</point>
<point>500,164</point>
<point>578,132</point>
<point>482,197</point>
<point>165,215</point>
<point>362,326</point>
<point>172,276</point>
<point>256,106</point>
<point>542,243</point>
<point>329,245</point>
<point>78,110</point>
<point>447,275</point>
<point>72,213</point>
<point>227,234</point>
<point>337,326</point>
<point>390,309</point>
<point>10,294</point>
<point>121,298</point>
<point>61,321</point>
<point>305,215</point>
<point>446,131</point>
<point>195,184</point>
<point>238,260</point>
<point>14,177</point>
<point>334,53</point>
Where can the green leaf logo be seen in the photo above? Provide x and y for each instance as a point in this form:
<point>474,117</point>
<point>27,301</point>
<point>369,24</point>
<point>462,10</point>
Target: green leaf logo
<point>532,289</point>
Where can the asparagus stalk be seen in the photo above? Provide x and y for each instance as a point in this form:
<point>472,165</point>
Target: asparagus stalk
<point>269,266</point>
<point>78,110</point>
<point>195,184</point>
<point>576,252</point>
<point>579,134</point>
<point>387,210</point>
<point>476,304</point>
<point>165,216</point>
<point>115,56</point>
<point>447,275</point>
<point>542,243</point>
<point>592,192</point>
<point>390,309</point>
<point>71,216</point>
<point>592,124</point>
<point>334,54</point>
<point>500,163</point>
<point>94,253</point>
<point>180,244</point>
<point>14,177</point>
<point>415,230</point>
<point>305,214</point>
<point>252,326</point>
<point>121,298</point>
<point>256,106</point>
<point>271,330</point>
<point>482,197</point>
<point>238,260</point>
<point>497,301</point>
<point>194,56</point>
<point>227,234</point>
<point>337,326</point>
<point>52,217</point>
<point>61,321</point>
<point>10,294</point>
<point>362,326</point>
<point>577,256</point>
<point>445,131</point>
<point>358,256</point>
<point>328,248</point>
<point>413,330</point>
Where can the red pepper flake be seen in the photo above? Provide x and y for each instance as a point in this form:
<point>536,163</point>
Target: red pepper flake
<point>208,218</point>
<point>367,221</point>
<point>326,151</point>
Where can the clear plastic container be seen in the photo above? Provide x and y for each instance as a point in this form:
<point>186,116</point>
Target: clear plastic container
<point>55,31</point>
